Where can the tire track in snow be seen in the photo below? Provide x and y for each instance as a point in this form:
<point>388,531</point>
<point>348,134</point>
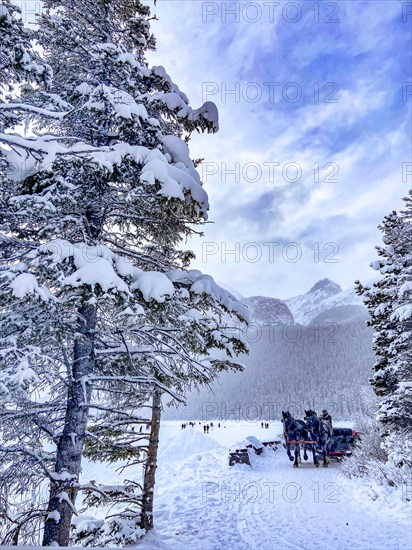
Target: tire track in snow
<point>311,509</point>
<point>193,510</point>
<point>271,506</point>
<point>263,523</point>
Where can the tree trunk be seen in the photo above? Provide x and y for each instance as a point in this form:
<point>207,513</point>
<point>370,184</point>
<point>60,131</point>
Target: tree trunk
<point>63,491</point>
<point>151,464</point>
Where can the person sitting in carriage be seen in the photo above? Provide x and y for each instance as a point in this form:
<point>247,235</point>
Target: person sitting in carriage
<point>326,416</point>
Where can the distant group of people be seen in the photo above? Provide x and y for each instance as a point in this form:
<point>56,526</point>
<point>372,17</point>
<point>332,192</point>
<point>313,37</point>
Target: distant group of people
<point>206,427</point>
<point>186,424</point>
<point>264,425</point>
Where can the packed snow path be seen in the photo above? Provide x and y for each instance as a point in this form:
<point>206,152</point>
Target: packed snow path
<point>202,503</point>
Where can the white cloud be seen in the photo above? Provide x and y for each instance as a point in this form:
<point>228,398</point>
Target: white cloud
<point>365,134</point>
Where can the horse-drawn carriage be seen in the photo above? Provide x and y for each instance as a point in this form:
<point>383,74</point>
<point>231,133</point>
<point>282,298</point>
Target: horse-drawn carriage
<point>318,436</point>
<point>342,442</point>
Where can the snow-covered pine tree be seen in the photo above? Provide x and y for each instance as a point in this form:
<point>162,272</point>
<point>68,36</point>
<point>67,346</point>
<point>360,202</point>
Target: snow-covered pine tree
<point>389,303</point>
<point>378,298</point>
<point>396,408</point>
<point>21,72</point>
<point>20,65</point>
<point>98,305</point>
<point>23,76</point>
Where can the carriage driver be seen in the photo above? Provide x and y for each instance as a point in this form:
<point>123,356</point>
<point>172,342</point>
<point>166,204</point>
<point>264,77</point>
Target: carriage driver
<point>326,416</point>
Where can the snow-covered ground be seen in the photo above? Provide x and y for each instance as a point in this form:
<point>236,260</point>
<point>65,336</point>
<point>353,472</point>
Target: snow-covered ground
<point>202,503</point>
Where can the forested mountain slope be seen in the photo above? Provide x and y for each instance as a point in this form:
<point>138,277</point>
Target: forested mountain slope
<point>313,350</point>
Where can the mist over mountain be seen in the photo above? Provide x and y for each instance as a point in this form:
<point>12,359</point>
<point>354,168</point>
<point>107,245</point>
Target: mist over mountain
<point>341,313</point>
<point>312,350</point>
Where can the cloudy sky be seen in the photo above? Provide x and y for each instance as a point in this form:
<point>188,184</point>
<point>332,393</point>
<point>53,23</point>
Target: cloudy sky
<point>314,147</point>
<point>315,134</point>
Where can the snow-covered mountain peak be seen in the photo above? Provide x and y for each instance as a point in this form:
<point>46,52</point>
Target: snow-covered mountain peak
<point>326,285</point>
<point>324,295</point>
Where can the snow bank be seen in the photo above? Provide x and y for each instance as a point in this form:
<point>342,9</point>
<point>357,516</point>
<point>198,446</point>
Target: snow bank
<point>185,444</point>
<point>205,504</point>
<point>152,541</point>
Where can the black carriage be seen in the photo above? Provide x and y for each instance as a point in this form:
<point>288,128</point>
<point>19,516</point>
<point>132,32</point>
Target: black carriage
<point>343,440</point>
<point>342,443</point>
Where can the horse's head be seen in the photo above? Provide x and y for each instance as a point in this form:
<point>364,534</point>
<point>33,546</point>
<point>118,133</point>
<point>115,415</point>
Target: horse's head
<point>287,419</point>
<point>312,420</point>
<point>285,416</point>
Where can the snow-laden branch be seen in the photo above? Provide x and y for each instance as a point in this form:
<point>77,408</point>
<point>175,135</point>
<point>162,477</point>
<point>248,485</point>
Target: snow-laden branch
<point>129,416</point>
<point>16,449</point>
<point>177,350</point>
<point>136,350</point>
<point>43,145</point>
<point>144,380</point>
<point>32,109</point>
<point>103,490</point>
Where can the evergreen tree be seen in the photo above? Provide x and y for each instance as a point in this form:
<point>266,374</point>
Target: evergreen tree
<point>20,66</point>
<point>24,76</point>
<point>396,408</point>
<point>390,308</point>
<point>21,73</point>
<point>98,307</point>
